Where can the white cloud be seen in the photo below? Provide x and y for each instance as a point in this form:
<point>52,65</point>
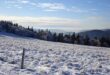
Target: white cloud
<point>74,9</point>
<point>16,3</point>
<point>11,2</point>
<point>60,6</point>
<point>51,6</point>
<point>24,1</point>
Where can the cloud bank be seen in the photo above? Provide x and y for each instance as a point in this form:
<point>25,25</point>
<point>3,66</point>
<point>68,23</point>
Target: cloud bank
<point>42,20</point>
<point>67,24</point>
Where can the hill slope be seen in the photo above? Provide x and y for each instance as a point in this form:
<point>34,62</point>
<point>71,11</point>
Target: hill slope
<point>48,58</point>
<point>97,33</point>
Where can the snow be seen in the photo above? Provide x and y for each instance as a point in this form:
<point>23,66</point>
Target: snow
<point>51,58</point>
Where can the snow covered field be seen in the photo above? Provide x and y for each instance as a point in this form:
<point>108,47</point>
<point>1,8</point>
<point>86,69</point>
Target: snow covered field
<point>49,58</point>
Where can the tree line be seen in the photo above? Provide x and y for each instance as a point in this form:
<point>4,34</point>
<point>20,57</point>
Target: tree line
<point>73,38</point>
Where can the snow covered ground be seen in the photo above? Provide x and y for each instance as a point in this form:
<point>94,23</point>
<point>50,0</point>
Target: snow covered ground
<point>50,58</point>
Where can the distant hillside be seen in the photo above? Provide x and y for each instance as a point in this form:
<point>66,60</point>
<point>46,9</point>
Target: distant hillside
<point>97,33</point>
<point>83,38</point>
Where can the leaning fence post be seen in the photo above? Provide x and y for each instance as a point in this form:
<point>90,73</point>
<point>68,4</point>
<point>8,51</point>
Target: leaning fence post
<point>22,61</point>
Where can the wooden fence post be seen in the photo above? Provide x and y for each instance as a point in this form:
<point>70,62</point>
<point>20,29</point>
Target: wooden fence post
<point>22,61</point>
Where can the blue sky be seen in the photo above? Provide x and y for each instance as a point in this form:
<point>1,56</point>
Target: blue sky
<point>69,15</point>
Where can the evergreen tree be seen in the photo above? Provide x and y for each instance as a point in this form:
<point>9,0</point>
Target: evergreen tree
<point>73,38</point>
<point>86,40</point>
<point>60,37</point>
<point>77,39</point>
<point>67,38</point>
<point>54,37</point>
<point>102,39</point>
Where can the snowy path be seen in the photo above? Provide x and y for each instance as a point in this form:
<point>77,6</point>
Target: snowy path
<point>48,58</point>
